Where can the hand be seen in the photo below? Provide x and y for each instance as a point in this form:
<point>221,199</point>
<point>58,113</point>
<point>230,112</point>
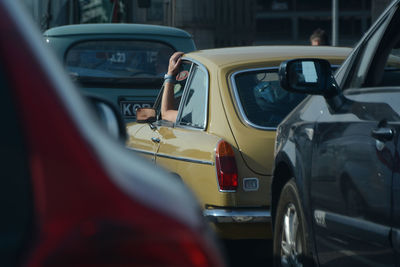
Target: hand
<point>174,63</point>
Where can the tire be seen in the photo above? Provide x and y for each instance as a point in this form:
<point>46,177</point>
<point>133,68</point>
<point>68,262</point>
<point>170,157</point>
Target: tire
<point>289,214</point>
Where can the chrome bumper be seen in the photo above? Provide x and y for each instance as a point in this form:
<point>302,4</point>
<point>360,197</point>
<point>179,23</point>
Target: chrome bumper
<point>237,216</point>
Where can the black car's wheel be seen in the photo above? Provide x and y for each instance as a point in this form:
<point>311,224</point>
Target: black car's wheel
<point>290,233</point>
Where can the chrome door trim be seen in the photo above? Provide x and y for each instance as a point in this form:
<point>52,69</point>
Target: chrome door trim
<point>141,151</point>
<point>205,162</point>
<point>245,215</point>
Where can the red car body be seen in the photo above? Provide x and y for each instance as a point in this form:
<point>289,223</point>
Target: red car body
<point>71,195</point>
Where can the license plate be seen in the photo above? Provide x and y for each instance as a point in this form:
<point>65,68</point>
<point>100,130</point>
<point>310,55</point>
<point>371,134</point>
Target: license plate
<point>128,108</point>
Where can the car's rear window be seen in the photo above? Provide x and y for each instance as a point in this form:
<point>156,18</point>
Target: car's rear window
<point>260,98</point>
<point>118,59</point>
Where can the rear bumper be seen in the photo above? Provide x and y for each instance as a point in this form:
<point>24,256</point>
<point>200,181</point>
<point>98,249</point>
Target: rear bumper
<point>237,215</point>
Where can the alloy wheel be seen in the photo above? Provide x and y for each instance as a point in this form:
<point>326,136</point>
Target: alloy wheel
<point>291,245</point>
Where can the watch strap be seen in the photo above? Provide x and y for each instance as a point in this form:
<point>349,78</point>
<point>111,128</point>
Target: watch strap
<point>169,79</point>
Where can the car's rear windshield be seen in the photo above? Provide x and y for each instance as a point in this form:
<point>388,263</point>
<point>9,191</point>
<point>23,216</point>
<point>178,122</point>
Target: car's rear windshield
<point>261,100</point>
<point>118,59</point>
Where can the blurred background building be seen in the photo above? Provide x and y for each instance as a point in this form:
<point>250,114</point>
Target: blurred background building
<point>220,23</point>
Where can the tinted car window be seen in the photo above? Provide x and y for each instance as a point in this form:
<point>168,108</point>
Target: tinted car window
<point>377,69</point>
<point>181,79</point>
<point>118,59</point>
<point>391,75</point>
<point>367,53</point>
<point>194,106</point>
<point>263,102</point>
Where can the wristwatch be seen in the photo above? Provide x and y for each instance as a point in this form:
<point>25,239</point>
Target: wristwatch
<point>169,79</point>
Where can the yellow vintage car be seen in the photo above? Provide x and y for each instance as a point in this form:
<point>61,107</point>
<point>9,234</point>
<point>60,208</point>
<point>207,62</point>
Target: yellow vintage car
<point>229,104</point>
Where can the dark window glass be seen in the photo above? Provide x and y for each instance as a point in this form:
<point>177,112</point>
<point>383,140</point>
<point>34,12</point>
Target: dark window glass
<point>263,101</point>
<point>118,59</point>
<point>366,55</point>
<point>391,75</point>
<point>182,78</point>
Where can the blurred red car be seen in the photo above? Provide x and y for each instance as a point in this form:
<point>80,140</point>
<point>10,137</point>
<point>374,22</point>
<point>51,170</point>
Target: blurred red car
<point>70,194</point>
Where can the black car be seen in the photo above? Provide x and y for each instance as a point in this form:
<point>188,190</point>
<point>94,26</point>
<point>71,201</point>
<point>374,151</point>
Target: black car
<point>336,181</point>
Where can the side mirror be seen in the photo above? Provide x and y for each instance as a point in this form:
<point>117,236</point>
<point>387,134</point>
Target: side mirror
<point>145,115</point>
<point>308,76</point>
<point>110,118</point>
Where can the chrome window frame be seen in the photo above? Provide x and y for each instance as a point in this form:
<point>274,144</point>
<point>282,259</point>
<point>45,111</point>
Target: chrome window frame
<point>239,105</point>
<point>185,93</point>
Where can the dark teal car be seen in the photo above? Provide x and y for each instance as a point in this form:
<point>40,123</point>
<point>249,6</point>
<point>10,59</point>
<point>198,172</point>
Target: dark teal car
<point>120,63</point>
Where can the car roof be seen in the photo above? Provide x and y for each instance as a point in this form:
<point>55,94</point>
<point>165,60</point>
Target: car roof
<point>115,28</point>
<point>253,54</point>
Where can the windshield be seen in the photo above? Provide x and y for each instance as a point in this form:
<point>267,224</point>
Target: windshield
<point>122,59</point>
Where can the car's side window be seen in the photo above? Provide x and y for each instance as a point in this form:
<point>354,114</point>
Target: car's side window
<point>194,106</point>
<point>391,75</point>
<point>260,99</point>
<point>366,59</point>
<point>182,79</point>
<point>374,56</point>
<point>179,87</point>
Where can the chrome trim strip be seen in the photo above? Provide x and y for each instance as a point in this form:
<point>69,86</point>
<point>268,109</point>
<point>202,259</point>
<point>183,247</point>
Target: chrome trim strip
<point>192,128</point>
<point>237,216</point>
<point>141,151</point>
<point>186,159</point>
<point>237,99</point>
<point>226,191</point>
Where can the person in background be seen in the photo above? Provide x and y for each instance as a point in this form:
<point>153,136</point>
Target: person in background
<point>319,37</point>
<point>168,112</point>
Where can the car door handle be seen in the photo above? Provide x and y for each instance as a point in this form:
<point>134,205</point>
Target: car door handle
<point>155,139</point>
<point>382,134</point>
<point>152,126</point>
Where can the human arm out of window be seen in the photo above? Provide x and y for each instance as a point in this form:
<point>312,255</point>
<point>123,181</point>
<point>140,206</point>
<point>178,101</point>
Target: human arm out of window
<point>167,103</point>
<point>168,111</point>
